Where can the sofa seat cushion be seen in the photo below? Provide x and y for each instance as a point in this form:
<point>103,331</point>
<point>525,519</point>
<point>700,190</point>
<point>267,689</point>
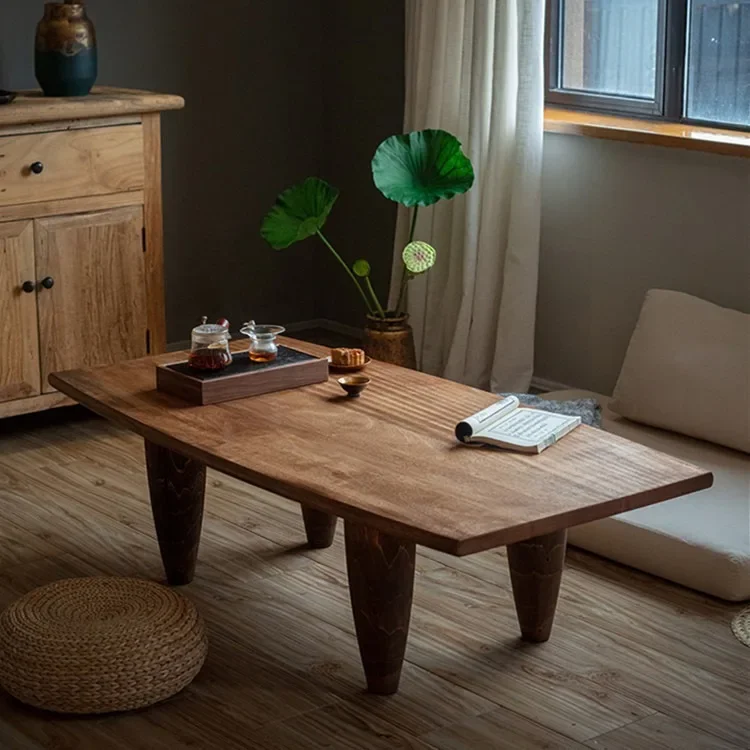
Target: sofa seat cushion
<point>701,540</point>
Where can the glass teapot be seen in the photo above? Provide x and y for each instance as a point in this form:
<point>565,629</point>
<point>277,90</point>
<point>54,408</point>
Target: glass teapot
<point>209,348</point>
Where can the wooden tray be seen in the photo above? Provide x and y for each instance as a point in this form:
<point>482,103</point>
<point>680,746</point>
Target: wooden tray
<point>243,378</point>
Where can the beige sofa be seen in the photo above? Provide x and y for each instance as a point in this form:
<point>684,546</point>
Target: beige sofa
<point>684,389</point>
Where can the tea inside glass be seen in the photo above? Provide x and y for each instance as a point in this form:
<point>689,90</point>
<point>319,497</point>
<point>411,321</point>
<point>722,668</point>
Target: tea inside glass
<point>263,346</point>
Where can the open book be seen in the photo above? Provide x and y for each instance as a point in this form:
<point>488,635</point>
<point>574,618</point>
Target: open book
<point>506,424</point>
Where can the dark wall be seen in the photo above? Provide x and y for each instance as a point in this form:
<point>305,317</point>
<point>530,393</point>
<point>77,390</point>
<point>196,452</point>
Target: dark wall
<point>363,66</point>
<point>251,76</point>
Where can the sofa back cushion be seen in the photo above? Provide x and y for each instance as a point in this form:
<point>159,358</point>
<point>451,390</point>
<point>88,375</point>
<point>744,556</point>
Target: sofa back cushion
<point>687,369</point>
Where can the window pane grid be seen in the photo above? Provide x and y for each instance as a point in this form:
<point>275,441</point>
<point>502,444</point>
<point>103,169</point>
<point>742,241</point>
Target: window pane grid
<point>679,59</point>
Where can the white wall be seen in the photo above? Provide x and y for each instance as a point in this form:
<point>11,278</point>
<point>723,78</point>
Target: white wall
<point>619,219</point>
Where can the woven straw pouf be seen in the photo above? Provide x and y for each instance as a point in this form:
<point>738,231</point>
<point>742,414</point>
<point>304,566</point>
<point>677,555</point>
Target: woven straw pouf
<point>741,626</point>
<point>95,645</point>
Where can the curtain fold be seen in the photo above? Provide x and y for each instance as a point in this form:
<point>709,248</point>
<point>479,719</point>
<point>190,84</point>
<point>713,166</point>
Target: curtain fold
<point>475,68</point>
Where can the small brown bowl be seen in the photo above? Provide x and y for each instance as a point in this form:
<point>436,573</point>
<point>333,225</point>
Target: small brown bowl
<point>354,384</point>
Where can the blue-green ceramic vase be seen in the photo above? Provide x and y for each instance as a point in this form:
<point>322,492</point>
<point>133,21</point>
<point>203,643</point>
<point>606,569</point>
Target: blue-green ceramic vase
<point>66,57</point>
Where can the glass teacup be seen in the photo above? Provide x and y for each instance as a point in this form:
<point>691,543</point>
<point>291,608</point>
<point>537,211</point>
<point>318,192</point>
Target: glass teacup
<point>263,346</point>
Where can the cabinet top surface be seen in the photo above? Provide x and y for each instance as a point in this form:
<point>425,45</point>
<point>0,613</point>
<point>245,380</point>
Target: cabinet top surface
<point>32,107</point>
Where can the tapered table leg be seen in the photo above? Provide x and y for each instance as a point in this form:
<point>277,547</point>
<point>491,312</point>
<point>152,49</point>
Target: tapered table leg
<point>536,567</point>
<point>177,485</point>
<point>381,583</point>
<point>320,527</point>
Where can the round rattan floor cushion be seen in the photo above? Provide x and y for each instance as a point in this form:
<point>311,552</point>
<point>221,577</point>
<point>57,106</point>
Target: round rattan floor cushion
<point>741,626</point>
<point>95,645</point>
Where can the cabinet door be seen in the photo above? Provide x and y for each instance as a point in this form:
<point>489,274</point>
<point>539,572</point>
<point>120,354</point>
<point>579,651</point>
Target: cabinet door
<point>95,311</point>
<point>19,355</point>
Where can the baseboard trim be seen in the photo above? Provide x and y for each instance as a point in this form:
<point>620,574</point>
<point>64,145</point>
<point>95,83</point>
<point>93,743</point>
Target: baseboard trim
<point>303,325</point>
<point>327,325</point>
<point>343,329</point>
<point>546,386</point>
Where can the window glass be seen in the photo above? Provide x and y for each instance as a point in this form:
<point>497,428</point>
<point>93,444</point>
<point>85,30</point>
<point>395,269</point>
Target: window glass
<point>610,46</point>
<point>718,69</point>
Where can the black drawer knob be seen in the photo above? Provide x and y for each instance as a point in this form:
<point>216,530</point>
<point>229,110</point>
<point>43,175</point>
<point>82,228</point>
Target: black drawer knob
<point>48,282</point>
<point>28,286</point>
<point>37,167</point>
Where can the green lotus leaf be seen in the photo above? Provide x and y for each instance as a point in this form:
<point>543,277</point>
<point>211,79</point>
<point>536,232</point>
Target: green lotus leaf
<point>299,212</point>
<point>361,268</point>
<point>419,257</point>
<point>421,168</point>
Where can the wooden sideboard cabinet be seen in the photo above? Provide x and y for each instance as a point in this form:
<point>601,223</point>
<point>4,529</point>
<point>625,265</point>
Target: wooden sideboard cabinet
<point>81,278</point>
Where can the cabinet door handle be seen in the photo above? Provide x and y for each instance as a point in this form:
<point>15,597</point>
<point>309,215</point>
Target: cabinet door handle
<point>48,282</point>
<point>28,286</point>
<point>37,167</point>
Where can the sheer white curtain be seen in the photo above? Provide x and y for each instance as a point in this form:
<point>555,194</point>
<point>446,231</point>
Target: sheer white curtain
<point>475,68</point>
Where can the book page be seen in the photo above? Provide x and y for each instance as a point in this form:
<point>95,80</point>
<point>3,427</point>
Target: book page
<point>526,427</point>
<point>483,420</point>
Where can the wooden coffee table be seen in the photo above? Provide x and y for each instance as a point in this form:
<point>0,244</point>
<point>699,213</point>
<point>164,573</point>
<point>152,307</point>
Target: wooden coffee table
<point>387,464</point>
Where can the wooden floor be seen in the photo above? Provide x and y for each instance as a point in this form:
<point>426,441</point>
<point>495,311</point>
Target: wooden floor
<point>633,662</point>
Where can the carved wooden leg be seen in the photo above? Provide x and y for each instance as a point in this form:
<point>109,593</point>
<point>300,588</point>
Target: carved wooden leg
<point>177,485</point>
<point>381,583</point>
<point>319,526</point>
<point>536,567</point>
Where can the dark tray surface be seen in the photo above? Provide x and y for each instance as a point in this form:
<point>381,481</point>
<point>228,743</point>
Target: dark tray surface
<point>241,364</point>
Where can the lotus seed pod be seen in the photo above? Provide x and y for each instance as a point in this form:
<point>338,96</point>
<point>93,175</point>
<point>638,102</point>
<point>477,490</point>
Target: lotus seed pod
<point>419,257</point>
<point>361,268</point>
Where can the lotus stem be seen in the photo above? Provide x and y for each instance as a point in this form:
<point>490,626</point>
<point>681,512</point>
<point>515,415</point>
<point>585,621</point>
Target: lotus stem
<point>348,270</point>
<point>407,277</point>
<point>413,224</point>
<point>375,299</point>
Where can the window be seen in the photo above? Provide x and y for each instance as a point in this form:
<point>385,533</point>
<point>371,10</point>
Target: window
<point>685,60</point>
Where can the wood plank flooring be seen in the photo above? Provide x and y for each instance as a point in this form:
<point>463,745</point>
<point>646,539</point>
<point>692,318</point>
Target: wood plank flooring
<point>633,663</point>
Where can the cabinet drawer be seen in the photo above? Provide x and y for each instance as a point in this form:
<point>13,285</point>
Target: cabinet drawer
<point>70,164</point>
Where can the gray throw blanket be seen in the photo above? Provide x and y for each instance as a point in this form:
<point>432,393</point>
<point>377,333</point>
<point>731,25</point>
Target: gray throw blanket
<point>586,408</point>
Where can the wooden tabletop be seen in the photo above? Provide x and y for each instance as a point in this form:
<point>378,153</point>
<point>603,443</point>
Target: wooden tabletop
<point>104,101</point>
<point>389,459</point>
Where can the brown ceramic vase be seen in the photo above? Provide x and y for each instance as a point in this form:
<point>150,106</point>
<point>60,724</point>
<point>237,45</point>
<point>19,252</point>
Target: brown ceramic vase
<point>390,340</point>
<point>66,60</point>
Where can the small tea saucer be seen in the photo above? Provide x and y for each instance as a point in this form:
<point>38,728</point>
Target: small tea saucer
<point>348,368</point>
